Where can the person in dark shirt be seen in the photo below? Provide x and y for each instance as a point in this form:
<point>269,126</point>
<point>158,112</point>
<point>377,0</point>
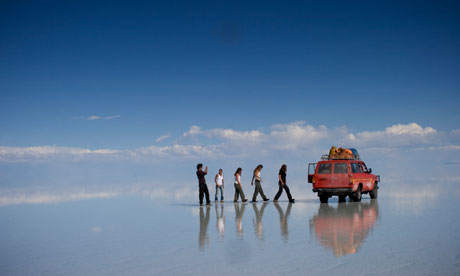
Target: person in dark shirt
<point>282,185</point>
<point>202,183</point>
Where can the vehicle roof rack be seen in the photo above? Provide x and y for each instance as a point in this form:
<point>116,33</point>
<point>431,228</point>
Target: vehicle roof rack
<point>325,157</point>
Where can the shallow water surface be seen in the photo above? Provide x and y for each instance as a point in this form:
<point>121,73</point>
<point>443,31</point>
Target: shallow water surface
<point>137,236</point>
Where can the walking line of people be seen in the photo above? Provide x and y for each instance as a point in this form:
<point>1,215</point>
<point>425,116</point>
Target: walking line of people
<point>256,180</point>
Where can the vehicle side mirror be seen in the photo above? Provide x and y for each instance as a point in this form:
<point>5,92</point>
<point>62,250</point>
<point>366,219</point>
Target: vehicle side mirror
<point>370,170</point>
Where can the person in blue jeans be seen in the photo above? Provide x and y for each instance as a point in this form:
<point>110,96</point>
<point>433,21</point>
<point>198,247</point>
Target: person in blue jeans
<point>219,180</point>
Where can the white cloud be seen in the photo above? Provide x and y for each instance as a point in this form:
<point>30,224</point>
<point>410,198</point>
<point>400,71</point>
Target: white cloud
<point>96,229</point>
<point>396,135</point>
<point>177,150</point>
<point>235,135</point>
<point>43,152</point>
<point>410,129</point>
<point>293,138</point>
<point>96,117</point>
<point>194,130</point>
<point>163,137</point>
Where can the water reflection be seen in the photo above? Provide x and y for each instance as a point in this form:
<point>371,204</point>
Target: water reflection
<point>344,229</point>
<point>220,220</point>
<point>239,211</point>
<point>204,221</point>
<point>284,219</point>
<point>258,227</point>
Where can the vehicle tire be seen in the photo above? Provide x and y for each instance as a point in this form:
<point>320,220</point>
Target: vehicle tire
<point>342,198</point>
<point>375,191</point>
<point>357,195</point>
<point>323,198</point>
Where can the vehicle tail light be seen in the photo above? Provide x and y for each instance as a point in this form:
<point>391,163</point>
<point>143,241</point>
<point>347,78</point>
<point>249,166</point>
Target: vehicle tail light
<point>351,179</point>
<point>313,180</point>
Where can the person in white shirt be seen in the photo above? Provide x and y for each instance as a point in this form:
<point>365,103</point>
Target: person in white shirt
<point>238,189</point>
<point>219,180</point>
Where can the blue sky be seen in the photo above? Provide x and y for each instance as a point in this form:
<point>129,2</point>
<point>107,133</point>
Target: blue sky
<point>79,75</point>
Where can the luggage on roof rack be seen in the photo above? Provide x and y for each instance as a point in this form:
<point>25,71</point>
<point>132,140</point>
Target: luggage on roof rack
<point>341,153</point>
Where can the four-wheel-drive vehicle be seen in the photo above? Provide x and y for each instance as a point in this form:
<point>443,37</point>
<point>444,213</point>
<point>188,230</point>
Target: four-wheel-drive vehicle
<point>342,178</point>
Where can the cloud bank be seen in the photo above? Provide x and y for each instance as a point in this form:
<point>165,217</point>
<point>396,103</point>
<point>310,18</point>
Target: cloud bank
<point>294,138</point>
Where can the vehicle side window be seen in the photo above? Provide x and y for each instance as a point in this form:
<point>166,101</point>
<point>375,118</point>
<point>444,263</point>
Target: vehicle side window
<point>324,168</point>
<point>340,168</point>
<point>364,167</point>
<point>354,168</point>
<point>361,170</point>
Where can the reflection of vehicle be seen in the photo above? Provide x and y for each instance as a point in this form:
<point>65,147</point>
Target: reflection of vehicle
<point>342,177</point>
<point>344,229</point>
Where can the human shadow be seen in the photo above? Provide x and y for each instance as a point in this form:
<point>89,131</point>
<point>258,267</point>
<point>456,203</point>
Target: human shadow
<point>344,229</point>
<point>203,237</point>
<point>258,226</point>
<point>284,216</point>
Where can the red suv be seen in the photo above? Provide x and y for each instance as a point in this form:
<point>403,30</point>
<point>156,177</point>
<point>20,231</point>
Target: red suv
<point>342,178</point>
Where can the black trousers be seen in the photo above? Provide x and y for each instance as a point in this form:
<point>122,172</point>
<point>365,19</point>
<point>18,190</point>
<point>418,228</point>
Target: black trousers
<point>280,191</point>
<point>204,191</point>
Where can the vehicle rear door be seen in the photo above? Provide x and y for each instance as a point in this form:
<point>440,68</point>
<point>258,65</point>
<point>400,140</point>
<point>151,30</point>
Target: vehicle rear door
<point>323,175</point>
<point>340,176</point>
<point>311,171</point>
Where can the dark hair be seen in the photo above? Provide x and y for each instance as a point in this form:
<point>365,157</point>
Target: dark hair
<point>258,168</point>
<point>283,168</point>
<point>199,166</point>
<point>238,171</point>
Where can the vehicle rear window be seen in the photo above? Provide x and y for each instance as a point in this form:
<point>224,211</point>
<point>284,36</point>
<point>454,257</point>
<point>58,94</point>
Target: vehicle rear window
<point>324,168</point>
<point>340,168</point>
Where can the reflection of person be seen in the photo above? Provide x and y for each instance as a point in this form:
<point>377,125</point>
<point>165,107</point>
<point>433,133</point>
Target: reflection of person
<point>258,180</point>
<point>204,221</point>
<point>238,188</point>
<point>284,219</point>
<point>202,183</point>
<point>219,180</point>
<point>239,218</point>
<point>220,220</point>
<point>282,185</point>
<point>258,227</point>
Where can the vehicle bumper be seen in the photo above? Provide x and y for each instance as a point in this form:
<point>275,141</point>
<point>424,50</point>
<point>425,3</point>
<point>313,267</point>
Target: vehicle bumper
<point>334,191</point>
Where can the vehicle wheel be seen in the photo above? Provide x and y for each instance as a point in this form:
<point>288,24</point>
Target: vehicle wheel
<point>374,193</point>
<point>357,195</point>
<point>323,198</point>
<point>342,198</point>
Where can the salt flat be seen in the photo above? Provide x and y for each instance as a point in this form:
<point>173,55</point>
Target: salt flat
<point>135,235</point>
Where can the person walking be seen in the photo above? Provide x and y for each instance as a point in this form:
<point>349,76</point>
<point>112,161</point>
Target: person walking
<point>282,185</point>
<point>258,180</point>
<point>203,188</point>
<point>219,180</point>
<point>238,188</point>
